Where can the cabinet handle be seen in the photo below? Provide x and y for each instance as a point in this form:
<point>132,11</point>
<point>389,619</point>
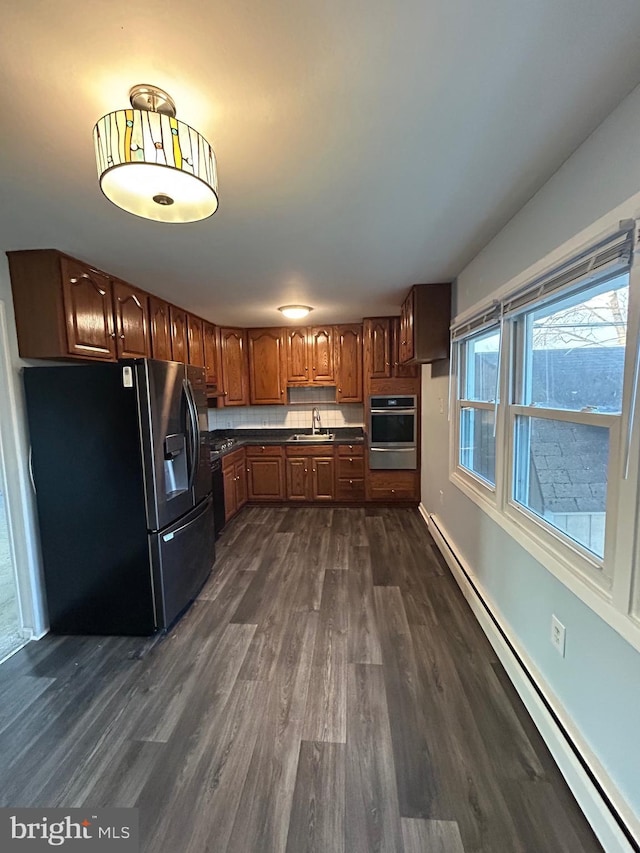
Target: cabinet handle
<point>314,368</point>
<point>351,460</point>
<point>306,370</point>
<point>121,337</point>
<point>351,482</point>
<point>351,447</point>
<point>340,390</point>
<point>393,491</point>
<point>262,448</point>
<point>113,334</point>
<point>314,470</point>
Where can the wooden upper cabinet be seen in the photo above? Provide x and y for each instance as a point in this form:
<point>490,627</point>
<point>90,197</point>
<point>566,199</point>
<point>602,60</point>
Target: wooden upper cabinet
<point>179,345</point>
<point>297,360</point>
<point>210,354</point>
<point>348,362</point>
<point>424,323</point>
<point>132,320</point>
<point>160,328</point>
<point>88,311</point>
<point>406,342</point>
<point>233,362</point>
<point>321,355</point>
<point>377,347</point>
<point>267,366</point>
<point>405,371</point>
<point>195,340</point>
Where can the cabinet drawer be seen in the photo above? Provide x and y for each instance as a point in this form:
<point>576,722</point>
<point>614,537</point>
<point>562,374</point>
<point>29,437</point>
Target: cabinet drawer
<point>260,450</point>
<point>350,490</point>
<point>351,450</point>
<point>393,485</point>
<point>350,466</point>
<point>310,450</point>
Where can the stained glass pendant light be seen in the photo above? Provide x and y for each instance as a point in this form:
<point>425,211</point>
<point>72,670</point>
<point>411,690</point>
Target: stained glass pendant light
<point>153,165</point>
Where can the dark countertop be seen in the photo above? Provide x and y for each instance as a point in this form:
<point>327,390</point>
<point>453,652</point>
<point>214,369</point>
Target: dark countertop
<point>247,437</point>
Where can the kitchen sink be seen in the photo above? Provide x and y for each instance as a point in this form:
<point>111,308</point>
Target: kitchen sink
<point>306,436</point>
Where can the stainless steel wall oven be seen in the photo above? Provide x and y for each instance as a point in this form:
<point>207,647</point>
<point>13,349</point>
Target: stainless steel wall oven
<point>392,432</point>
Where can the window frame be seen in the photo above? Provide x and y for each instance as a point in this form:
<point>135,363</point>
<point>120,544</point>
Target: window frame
<point>471,479</point>
<point>611,586</point>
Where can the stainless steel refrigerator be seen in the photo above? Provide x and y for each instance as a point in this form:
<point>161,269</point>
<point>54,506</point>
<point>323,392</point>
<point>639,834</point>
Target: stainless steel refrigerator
<point>120,468</point>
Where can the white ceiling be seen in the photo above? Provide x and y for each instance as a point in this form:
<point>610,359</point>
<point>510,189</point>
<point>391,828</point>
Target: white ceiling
<point>362,146</point>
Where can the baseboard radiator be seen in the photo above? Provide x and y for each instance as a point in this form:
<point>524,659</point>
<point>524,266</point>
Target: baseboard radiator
<point>616,827</point>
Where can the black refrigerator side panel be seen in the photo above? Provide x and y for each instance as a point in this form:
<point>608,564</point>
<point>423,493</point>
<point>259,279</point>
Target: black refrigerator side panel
<point>88,476</point>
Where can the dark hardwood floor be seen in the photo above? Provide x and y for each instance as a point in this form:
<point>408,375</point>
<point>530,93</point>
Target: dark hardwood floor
<point>329,691</point>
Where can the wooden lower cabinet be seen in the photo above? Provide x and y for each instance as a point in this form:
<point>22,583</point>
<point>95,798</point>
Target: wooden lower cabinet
<point>393,486</point>
<point>235,482</point>
<point>310,473</point>
<point>350,472</point>
<point>265,473</point>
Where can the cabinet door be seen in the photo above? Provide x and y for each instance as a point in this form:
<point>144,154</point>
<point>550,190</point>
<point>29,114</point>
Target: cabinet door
<point>160,327</point>
<point>298,479</point>
<point>241,483</point>
<point>323,478</point>
<point>297,361</point>
<point>88,310</point>
<point>266,367</point>
<point>378,347</point>
<point>405,371</point>
<point>210,354</point>
<point>132,325</point>
<point>234,367</point>
<point>230,503</point>
<point>179,347</point>
<point>348,363</point>
<point>406,349</point>
<point>321,353</point>
<point>265,479</point>
<point>195,340</point>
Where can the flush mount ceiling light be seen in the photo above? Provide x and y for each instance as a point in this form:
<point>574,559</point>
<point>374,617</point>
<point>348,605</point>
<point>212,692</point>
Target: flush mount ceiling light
<point>153,165</point>
<point>295,312</point>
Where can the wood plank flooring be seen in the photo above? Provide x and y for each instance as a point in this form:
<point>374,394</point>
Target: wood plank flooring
<point>328,692</point>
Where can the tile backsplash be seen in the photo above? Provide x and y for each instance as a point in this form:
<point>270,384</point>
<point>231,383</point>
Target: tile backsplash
<point>297,415</point>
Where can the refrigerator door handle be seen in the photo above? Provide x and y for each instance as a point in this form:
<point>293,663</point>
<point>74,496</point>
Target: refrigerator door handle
<point>167,537</point>
<point>194,431</point>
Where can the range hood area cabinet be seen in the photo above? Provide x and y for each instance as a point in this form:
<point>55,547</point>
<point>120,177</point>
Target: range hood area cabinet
<point>425,317</point>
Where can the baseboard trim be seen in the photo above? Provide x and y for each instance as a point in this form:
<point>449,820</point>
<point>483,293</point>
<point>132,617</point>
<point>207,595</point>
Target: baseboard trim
<point>610,818</point>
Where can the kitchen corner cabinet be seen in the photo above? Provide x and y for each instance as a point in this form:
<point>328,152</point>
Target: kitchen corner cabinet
<point>234,478</point>
<point>408,371</point>
<point>210,354</point>
<point>160,328</point>
<point>310,356</point>
<point>310,473</point>
<point>348,363</point>
<point>195,340</point>
<point>63,307</point>
<point>132,324</point>
<point>265,473</point>
<point>267,367</point>
<point>425,317</point>
<point>234,367</point>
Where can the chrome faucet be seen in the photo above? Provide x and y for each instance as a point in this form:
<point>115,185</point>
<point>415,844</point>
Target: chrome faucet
<point>316,424</point>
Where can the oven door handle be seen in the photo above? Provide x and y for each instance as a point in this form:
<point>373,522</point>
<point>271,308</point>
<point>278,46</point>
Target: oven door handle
<point>393,449</point>
<point>392,411</point>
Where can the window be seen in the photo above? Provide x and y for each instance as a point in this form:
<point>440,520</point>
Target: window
<point>568,382</point>
<point>543,414</point>
<point>478,395</point>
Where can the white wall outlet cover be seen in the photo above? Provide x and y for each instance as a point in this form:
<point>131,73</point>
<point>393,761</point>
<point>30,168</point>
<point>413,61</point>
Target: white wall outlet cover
<point>558,635</point>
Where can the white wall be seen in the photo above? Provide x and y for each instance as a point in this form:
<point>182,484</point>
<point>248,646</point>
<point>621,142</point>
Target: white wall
<point>22,514</point>
<point>598,682</point>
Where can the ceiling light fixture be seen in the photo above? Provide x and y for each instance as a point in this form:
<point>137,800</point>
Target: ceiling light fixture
<point>295,312</point>
<point>153,165</point>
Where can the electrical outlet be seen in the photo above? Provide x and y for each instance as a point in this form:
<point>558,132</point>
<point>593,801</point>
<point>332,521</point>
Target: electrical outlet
<point>441,498</point>
<point>558,635</point>
<point>441,402</point>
